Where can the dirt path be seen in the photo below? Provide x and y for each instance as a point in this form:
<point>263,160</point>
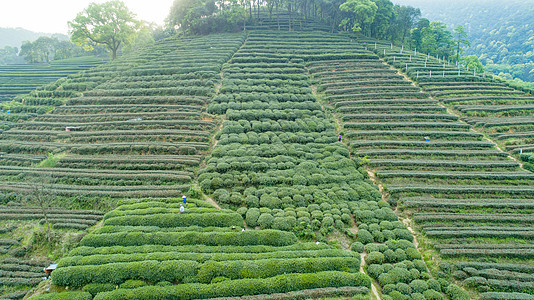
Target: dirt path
<point>373,178</point>
<point>212,202</point>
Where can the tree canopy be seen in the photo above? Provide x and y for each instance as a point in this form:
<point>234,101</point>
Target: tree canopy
<point>110,24</point>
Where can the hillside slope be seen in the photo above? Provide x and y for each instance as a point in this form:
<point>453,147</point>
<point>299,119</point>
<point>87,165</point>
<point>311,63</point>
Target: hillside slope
<point>300,212</point>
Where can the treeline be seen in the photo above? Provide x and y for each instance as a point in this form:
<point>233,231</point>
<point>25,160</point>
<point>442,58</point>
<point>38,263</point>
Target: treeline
<point>377,18</point>
<point>500,33</point>
<point>44,50</point>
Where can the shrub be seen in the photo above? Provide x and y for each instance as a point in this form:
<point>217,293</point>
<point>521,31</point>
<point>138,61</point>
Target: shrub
<point>364,237</point>
<point>396,295</point>
<point>404,288</point>
<point>433,295</point>
<point>375,270</point>
<point>95,288</point>
<point>456,293</point>
<point>132,284</point>
<point>357,247</point>
<point>265,221</point>
<point>419,286</point>
<point>374,257</point>
<point>64,296</point>
<point>252,217</point>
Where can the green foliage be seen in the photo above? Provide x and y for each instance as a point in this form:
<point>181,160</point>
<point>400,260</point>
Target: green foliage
<point>362,13</point>
<point>110,24</point>
<point>456,293</point>
<point>229,288</point>
<point>95,288</point>
<point>65,296</point>
<point>249,237</point>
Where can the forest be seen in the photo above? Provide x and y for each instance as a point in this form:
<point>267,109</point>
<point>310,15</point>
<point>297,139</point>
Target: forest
<point>501,34</point>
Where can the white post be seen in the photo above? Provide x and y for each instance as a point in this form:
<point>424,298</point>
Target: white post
<point>443,72</point>
<point>406,67</point>
<point>402,48</point>
<point>430,74</point>
<point>391,46</point>
<point>393,58</point>
<point>384,51</point>
<point>417,75</point>
<point>415,51</point>
<point>475,72</point>
<point>520,150</point>
<point>410,58</point>
<point>458,71</point>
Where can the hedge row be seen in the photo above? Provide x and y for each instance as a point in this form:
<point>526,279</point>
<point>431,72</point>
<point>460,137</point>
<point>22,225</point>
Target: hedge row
<point>277,284</point>
<point>178,220</point>
<point>257,249</point>
<point>263,237</point>
<point>99,259</point>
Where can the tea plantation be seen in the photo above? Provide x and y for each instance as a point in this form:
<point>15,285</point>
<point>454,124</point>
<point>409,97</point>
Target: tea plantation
<point>316,165</point>
<point>22,79</point>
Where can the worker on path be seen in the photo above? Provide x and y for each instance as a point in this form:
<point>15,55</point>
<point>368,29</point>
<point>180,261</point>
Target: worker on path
<point>182,208</point>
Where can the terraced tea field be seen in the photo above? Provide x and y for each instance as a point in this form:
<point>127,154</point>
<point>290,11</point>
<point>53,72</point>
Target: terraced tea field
<point>250,122</point>
<point>22,79</point>
<point>120,143</point>
<point>469,199</point>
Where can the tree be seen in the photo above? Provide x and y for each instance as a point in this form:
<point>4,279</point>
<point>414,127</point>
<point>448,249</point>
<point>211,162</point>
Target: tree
<point>360,14</point>
<point>406,18</point>
<point>383,18</point>
<point>110,24</point>
<point>473,63</point>
<point>29,52</point>
<point>42,195</point>
<point>8,55</point>
<point>460,37</point>
<point>45,47</point>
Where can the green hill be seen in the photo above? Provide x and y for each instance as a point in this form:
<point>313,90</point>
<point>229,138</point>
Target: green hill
<point>414,198</point>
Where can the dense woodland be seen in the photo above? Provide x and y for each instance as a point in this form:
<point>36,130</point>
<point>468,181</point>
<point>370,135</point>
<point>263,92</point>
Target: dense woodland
<point>501,33</point>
